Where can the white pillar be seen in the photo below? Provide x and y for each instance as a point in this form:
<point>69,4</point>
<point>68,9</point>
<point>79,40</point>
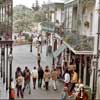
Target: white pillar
<point>97,7</point>
<point>98,81</point>
<point>92,74</point>
<point>85,69</point>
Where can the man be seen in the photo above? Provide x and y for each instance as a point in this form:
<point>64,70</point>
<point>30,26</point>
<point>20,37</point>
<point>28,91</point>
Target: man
<point>54,76</point>
<point>40,76</point>
<point>73,80</point>
<point>34,77</point>
<point>38,59</point>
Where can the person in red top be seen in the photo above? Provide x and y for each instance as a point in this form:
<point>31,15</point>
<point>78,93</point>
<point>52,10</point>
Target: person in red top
<point>82,95</point>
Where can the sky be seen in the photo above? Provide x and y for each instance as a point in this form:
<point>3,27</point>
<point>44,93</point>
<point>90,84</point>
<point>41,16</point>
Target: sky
<point>28,3</point>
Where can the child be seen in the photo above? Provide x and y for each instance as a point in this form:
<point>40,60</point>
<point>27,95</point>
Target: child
<point>64,94</point>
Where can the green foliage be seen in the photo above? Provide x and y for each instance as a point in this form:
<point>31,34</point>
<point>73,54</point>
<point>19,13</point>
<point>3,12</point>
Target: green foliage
<point>25,18</point>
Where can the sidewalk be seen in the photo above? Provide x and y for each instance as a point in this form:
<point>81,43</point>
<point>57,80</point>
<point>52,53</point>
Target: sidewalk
<point>3,93</point>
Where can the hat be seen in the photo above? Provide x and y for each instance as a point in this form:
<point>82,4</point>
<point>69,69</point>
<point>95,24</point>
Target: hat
<point>81,85</point>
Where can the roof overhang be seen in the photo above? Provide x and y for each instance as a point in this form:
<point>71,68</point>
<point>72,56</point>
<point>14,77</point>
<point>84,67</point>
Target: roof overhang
<point>74,51</point>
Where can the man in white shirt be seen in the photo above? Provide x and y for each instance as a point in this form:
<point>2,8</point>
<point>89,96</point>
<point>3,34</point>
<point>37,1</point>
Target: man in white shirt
<point>34,77</point>
<point>67,78</point>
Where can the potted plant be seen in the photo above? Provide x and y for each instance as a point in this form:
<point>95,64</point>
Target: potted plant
<point>86,24</point>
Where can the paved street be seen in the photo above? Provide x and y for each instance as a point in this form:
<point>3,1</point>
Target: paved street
<point>23,57</point>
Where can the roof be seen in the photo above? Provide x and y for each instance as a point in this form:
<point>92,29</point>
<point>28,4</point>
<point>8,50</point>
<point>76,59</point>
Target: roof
<point>53,6</point>
<point>47,26</point>
<point>87,48</point>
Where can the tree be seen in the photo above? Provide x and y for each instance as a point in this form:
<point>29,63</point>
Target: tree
<point>23,19</point>
<point>36,6</point>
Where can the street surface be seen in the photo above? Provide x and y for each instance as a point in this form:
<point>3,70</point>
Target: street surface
<point>23,57</point>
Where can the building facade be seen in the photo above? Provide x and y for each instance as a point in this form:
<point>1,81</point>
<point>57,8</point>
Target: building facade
<point>6,19</point>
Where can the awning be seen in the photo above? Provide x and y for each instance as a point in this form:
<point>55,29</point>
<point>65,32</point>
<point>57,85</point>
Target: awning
<point>74,40</point>
<point>47,26</point>
<point>59,50</point>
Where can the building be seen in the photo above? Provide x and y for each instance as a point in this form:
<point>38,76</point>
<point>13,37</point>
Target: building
<point>6,18</point>
<point>6,22</point>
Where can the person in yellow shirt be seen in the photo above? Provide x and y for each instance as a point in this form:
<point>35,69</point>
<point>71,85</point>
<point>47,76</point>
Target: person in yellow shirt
<point>74,79</point>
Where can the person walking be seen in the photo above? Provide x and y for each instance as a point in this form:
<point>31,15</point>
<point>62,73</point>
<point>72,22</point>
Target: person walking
<point>67,78</point>
<point>74,79</point>
<point>27,75</point>
<point>40,76</point>
<point>34,77</point>
<point>18,71</point>
<point>19,81</point>
<point>54,76</point>
<point>46,77</point>
<point>38,59</point>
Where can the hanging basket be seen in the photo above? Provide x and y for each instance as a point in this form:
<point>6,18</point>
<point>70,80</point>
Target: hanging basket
<point>86,24</point>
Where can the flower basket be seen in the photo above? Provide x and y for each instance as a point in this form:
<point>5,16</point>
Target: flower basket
<point>86,24</point>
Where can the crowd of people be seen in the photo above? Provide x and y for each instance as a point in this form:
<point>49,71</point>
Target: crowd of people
<point>73,85</point>
<point>38,75</point>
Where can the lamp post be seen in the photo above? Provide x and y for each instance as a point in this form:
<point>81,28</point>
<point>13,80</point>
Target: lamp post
<point>10,58</point>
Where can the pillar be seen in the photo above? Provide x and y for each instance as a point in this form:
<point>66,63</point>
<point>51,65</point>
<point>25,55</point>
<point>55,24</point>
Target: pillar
<point>80,67</point>
<point>69,57</point>
<point>85,69</point>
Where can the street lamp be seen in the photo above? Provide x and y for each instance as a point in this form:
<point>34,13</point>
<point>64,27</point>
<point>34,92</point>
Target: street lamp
<point>10,58</point>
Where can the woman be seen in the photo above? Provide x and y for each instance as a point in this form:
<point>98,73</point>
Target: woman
<point>82,95</point>
<point>20,81</point>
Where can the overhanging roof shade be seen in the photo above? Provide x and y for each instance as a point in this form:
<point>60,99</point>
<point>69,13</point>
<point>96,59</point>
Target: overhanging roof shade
<point>48,26</point>
<point>70,3</point>
<point>59,50</point>
<point>80,43</point>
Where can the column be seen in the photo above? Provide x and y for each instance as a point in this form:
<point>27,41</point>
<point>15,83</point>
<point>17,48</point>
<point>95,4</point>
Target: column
<point>80,67</point>
<point>69,56</point>
<point>85,69</point>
